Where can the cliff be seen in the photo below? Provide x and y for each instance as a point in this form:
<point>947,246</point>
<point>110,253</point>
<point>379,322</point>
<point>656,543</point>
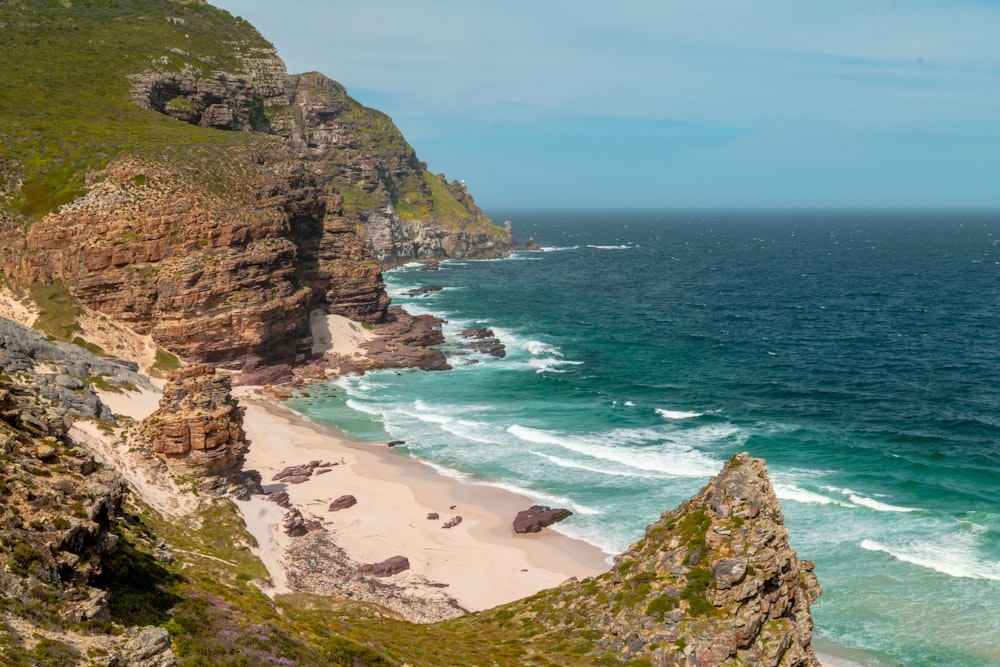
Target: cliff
<point>157,161</point>
<point>714,582</point>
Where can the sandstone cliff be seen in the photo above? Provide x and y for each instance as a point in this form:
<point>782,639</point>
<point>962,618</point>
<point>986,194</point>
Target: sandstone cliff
<point>198,431</point>
<point>210,201</point>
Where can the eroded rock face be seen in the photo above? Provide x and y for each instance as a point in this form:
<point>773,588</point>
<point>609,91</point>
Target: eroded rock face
<point>713,582</point>
<point>198,429</point>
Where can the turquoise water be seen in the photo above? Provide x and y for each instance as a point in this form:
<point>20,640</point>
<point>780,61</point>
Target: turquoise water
<point>859,353</point>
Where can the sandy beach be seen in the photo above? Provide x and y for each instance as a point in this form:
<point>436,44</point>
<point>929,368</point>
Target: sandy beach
<point>482,561</point>
<point>479,563</point>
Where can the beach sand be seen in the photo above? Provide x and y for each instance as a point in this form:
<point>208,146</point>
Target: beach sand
<point>482,561</point>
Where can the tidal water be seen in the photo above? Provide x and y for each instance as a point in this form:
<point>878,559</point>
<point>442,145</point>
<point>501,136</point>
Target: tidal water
<point>857,352</point>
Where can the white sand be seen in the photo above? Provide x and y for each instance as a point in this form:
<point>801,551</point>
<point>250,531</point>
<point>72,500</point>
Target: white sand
<point>483,562</point>
<point>337,334</point>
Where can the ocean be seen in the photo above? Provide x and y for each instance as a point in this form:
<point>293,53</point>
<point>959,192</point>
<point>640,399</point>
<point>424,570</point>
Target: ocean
<point>857,352</point>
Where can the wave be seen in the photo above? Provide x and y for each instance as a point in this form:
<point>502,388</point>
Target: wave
<point>671,458</point>
<point>800,495</point>
<point>559,249</point>
<point>871,503</point>
<point>677,414</point>
<point>952,558</point>
<point>575,465</point>
<point>612,247</point>
<point>867,500</point>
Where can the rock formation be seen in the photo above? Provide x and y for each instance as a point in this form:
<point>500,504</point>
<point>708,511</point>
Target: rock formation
<point>536,517</point>
<point>386,568</point>
<point>198,430</point>
<point>219,243</point>
<point>342,503</point>
<point>59,548</point>
<point>713,582</point>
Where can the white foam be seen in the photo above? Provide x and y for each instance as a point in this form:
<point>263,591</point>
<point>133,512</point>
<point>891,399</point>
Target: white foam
<point>956,557</point>
<point>677,414</point>
<point>866,500</point>
<point>799,495</point>
<point>361,407</point>
<point>871,503</point>
<point>612,247</point>
<point>671,458</point>
<point>559,249</point>
<point>603,470</point>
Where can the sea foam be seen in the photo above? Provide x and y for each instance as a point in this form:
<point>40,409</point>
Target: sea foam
<point>956,557</point>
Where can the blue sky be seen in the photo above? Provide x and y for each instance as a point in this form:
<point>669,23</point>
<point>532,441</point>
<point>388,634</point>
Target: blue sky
<point>673,103</point>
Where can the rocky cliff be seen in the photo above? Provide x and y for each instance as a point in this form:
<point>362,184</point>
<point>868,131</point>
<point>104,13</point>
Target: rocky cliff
<point>714,582</point>
<point>198,431</point>
<point>59,509</point>
<point>210,200</point>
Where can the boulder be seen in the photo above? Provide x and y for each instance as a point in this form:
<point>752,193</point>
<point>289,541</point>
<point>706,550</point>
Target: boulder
<point>386,568</point>
<point>342,503</point>
<point>536,517</point>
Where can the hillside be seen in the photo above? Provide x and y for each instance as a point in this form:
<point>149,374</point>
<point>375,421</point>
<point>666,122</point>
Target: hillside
<point>158,163</point>
<point>90,574</point>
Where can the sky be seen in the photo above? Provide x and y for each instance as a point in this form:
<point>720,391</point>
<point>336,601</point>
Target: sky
<point>672,103</point>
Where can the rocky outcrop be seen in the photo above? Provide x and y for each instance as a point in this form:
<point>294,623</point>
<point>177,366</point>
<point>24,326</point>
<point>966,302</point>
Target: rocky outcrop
<point>406,213</point>
<point>482,339</point>
<point>386,568</point>
<point>406,341</point>
<point>57,509</point>
<point>536,517</point>
<point>198,430</point>
<point>342,503</point>
<point>713,582</point>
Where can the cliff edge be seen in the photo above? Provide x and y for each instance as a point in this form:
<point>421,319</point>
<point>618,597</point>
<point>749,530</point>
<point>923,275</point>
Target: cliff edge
<point>160,166</point>
<point>713,582</point>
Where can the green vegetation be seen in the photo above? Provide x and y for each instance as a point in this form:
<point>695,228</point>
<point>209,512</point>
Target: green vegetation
<point>698,582</point>
<point>165,362</point>
<point>65,106</point>
<point>59,311</point>
<point>447,209</point>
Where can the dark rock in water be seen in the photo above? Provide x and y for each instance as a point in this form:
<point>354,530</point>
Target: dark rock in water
<point>386,568</point>
<point>531,244</point>
<point>424,291</point>
<point>482,339</point>
<point>453,522</point>
<point>342,503</point>
<point>395,443</point>
<point>533,519</point>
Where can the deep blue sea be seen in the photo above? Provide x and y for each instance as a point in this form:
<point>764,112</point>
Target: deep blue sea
<point>857,352</point>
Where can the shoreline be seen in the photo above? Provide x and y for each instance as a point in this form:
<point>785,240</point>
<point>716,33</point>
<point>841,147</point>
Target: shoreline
<point>482,562</point>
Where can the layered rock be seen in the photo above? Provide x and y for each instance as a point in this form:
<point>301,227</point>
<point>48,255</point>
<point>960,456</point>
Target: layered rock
<point>198,430</point>
<point>405,212</point>
<point>713,582</point>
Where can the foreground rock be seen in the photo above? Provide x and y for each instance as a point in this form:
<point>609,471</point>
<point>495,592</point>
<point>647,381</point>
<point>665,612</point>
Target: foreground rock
<point>198,430</point>
<point>536,517</point>
<point>713,582</point>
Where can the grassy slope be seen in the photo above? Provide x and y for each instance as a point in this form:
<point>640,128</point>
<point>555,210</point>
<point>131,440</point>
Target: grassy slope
<point>65,107</point>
